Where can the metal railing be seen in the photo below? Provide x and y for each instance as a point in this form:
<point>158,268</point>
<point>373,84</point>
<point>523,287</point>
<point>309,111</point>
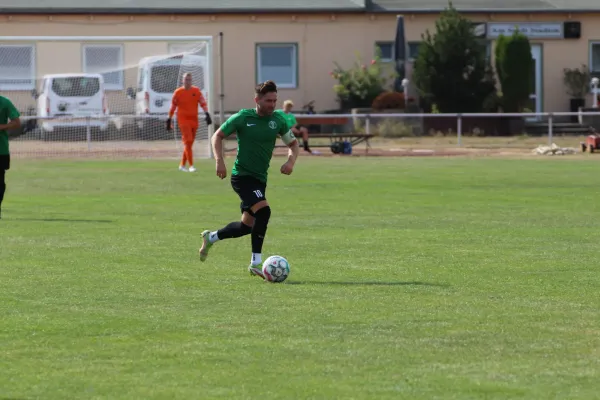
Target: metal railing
<point>147,136</point>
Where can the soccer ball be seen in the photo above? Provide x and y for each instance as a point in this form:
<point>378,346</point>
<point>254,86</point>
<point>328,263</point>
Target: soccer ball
<point>276,269</point>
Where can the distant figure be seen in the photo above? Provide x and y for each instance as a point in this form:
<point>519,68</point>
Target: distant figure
<point>8,112</point>
<point>297,130</point>
<point>186,100</point>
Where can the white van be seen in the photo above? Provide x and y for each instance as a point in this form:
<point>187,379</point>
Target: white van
<point>158,77</point>
<point>72,98</point>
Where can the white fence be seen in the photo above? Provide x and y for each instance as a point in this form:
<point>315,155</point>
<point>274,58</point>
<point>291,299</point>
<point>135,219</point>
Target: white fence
<point>371,119</point>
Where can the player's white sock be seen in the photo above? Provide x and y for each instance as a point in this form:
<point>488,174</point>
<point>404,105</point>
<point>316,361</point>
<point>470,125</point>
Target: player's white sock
<point>213,237</point>
<point>256,258</point>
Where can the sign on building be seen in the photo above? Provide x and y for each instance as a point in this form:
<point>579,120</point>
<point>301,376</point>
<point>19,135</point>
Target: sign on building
<point>533,30</point>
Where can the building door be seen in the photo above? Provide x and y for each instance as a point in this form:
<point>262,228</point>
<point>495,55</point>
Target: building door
<point>535,98</point>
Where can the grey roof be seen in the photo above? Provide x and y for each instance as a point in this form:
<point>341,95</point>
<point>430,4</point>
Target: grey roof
<point>178,6</point>
<point>420,6</point>
<point>278,6</point>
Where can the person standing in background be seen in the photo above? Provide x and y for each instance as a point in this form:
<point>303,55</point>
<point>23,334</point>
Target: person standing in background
<point>186,100</point>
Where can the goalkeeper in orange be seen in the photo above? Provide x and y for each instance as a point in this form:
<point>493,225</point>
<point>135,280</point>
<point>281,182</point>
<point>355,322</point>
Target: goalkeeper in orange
<point>186,100</point>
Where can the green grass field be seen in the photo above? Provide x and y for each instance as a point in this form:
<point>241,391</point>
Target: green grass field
<point>412,278</point>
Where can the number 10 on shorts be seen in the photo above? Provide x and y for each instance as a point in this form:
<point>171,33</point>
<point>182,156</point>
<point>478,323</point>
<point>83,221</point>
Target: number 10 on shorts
<point>258,193</point>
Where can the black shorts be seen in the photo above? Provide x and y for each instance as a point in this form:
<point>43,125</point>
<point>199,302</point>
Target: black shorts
<point>250,190</point>
<point>4,162</point>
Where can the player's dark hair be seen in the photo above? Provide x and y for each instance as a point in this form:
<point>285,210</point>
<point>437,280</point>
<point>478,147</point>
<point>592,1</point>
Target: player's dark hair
<point>265,87</point>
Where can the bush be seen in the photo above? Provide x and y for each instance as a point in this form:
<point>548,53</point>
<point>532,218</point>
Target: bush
<point>452,70</point>
<point>390,101</point>
<point>513,66</point>
<point>359,85</point>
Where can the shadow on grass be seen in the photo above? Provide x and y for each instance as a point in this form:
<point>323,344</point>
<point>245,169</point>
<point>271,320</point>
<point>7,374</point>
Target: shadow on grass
<point>368,283</point>
<point>62,220</point>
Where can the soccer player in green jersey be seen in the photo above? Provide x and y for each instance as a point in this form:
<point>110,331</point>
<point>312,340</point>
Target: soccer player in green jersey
<point>7,112</point>
<point>257,131</point>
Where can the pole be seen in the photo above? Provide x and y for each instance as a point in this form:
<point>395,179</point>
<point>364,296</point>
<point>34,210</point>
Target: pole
<point>459,129</point>
<point>88,133</point>
<point>550,129</point>
<point>221,81</point>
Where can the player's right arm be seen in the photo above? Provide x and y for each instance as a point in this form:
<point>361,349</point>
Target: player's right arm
<point>174,103</point>
<point>230,126</point>
<point>13,116</point>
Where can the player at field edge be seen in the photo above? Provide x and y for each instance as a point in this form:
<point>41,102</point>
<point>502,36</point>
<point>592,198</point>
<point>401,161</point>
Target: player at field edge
<point>186,100</point>
<point>257,131</point>
<point>8,111</point>
<point>298,130</point>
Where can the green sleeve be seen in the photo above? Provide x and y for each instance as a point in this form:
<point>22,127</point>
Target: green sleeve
<point>232,124</point>
<point>13,113</point>
<point>285,127</point>
<point>293,121</point>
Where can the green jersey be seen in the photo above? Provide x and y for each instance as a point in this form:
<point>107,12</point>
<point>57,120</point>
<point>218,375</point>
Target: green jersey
<point>256,136</point>
<point>7,112</point>
<point>289,118</point>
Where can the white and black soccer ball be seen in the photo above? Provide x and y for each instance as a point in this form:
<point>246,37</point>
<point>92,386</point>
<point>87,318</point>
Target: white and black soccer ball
<point>276,269</point>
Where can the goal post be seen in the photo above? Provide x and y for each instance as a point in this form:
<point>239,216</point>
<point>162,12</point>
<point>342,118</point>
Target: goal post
<point>103,96</point>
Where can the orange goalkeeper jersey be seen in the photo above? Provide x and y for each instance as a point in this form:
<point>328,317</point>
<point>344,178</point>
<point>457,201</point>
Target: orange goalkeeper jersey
<point>186,102</point>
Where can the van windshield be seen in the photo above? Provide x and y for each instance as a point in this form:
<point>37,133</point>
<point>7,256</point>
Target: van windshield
<point>167,78</point>
<point>80,86</point>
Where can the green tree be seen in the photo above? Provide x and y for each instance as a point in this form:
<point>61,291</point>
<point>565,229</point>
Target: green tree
<point>514,66</point>
<point>360,84</point>
<point>452,70</point>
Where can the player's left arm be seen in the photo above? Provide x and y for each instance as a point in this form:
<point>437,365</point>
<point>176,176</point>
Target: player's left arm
<point>204,105</point>
<point>294,123</point>
<point>13,116</point>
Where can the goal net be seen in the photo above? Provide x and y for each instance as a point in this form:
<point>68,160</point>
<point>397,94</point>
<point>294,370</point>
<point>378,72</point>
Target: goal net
<point>102,97</point>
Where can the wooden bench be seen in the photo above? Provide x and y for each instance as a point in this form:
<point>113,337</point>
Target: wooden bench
<point>335,138</point>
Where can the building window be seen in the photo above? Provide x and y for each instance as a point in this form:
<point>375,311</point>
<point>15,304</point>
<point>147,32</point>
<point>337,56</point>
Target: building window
<point>17,67</point>
<point>488,49</point>
<point>413,50</point>
<point>277,62</point>
<point>386,50</point>
<point>388,53</point>
<point>594,63</point>
<point>107,60</point>
<point>595,59</point>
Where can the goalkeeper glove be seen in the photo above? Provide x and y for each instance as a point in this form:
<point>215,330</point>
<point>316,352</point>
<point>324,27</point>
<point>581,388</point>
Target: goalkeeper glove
<point>169,124</point>
<point>208,119</point>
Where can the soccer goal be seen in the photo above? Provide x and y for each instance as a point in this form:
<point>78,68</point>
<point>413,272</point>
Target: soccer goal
<point>102,97</point>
